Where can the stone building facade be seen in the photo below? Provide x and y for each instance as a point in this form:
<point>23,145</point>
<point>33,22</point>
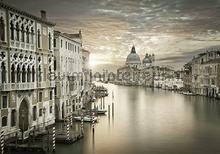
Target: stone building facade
<point>69,74</point>
<point>187,77</point>
<point>26,61</point>
<point>205,73</point>
<point>210,78</point>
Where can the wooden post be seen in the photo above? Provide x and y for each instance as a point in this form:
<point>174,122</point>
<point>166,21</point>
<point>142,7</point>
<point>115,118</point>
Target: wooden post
<point>2,138</point>
<point>93,122</point>
<point>82,123</point>
<point>71,120</point>
<point>54,139</point>
<point>67,130</point>
<point>112,109</point>
<point>109,111</point>
<point>103,102</point>
<point>48,140</point>
<point>16,141</point>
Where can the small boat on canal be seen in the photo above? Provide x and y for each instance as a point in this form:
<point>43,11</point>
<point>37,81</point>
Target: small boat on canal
<point>85,118</point>
<point>188,93</point>
<point>99,111</point>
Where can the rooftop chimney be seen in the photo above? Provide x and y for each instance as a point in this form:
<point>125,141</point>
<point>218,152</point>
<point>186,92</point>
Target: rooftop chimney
<point>43,14</point>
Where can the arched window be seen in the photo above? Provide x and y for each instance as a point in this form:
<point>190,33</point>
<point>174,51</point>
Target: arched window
<point>12,74</point>
<point>18,74</point>
<point>4,121</point>
<point>49,41</point>
<point>22,33</point>
<point>13,118</point>
<point>34,113</point>
<point>40,74</point>
<point>51,95</point>
<point>50,70</point>
<point>2,30</point>
<point>3,67</point>
<point>33,74</point>
<point>28,74</point>
<point>38,38</point>
<point>12,30</point>
<point>23,74</point>
<point>32,35</point>
<point>40,97</point>
<point>17,32</point>
<point>55,64</point>
<point>27,35</point>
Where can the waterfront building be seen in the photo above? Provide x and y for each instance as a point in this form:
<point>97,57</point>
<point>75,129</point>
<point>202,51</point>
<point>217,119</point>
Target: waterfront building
<point>26,62</point>
<point>205,73</point>
<point>136,72</point>
<point>210,78</point>
<point>87,76</point>
<point>187,77</point>
<point>166,78</point>
<point>69,74</point>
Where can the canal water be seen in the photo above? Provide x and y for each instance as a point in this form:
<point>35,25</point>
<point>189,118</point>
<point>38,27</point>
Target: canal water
<point>147,121</point>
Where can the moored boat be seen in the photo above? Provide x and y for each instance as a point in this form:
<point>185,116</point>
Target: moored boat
<point>85,118</point>
<point>188,93</point>
<point>99,111</point>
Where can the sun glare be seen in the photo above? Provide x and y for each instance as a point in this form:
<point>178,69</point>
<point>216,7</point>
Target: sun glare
<point>96,60</point>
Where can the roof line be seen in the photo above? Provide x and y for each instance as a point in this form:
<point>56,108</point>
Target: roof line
<point>12,8</point>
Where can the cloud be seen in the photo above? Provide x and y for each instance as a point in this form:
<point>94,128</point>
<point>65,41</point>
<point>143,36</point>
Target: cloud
<point>173,30</point>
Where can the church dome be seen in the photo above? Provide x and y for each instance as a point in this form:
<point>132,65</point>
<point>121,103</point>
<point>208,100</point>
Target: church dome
<point>133,57</point>
<point>147,59</point>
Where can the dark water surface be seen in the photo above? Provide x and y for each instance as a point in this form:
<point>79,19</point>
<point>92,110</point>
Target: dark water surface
<point>150,121</point>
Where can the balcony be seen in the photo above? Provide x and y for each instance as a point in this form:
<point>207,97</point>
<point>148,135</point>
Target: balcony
<point>18,86</point>
<point>22,45</point>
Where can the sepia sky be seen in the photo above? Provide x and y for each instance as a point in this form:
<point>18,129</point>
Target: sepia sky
<point>171,29</point>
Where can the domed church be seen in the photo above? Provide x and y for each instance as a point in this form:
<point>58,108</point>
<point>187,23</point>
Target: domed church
<point>135,71</point>
<point>133,59</point>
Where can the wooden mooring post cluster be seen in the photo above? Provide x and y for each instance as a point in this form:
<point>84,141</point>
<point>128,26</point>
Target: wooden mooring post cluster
<point>44,142</point>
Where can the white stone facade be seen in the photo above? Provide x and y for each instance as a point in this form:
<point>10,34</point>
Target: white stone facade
<point>69,75</point>
<point>205,73</point>
<point>26,92</point>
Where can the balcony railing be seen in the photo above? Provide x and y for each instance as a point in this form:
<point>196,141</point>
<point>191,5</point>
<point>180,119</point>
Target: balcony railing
<point>22,45</point>
<point>18,86</point>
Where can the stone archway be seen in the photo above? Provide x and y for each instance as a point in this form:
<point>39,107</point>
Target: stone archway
<point>23,116</point>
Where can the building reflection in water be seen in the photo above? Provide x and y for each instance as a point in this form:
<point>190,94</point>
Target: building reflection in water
<point>153,122</point>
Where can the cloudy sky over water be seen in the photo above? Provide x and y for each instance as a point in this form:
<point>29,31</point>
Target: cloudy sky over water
<point>171,29</point>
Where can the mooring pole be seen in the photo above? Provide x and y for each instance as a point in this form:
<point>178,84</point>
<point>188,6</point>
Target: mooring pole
<point>68,130</point>
<point>54,139</point>
<point>108,111</point>
<point>103,102</point>
<point>71,119</point>
<point>93,122</point>
<point>48,140</point>
<point>112,109</point>
<point>2,138</point>
<point>82,123</point>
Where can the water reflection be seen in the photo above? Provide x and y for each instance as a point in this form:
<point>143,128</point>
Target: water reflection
<point>152,122</point>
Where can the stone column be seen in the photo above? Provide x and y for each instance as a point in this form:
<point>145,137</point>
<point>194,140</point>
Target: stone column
<point>15,74</point>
